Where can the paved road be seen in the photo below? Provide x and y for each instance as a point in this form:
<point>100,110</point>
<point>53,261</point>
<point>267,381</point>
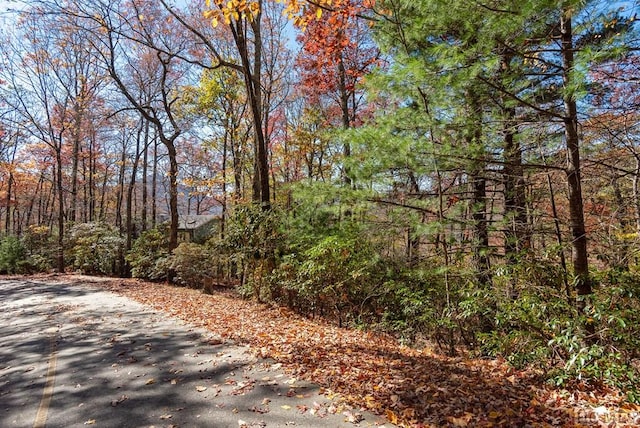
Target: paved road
<point>73,356</point>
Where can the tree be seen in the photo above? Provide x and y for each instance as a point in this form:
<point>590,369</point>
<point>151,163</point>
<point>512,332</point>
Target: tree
<point>511,64</point>
<point>218,105</point>
<point>38,90</point>
<point>337,52</point>
<point>122,36</point>
<point>245,26</point>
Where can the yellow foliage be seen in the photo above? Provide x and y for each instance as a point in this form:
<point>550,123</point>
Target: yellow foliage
<point>295,10</point>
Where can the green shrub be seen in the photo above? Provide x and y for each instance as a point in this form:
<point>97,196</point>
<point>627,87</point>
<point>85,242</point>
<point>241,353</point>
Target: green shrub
<point>338,276</point>
<point>246,253</point>
<point>423,302</point>
<point>41,248</point>
<point>94,248</point>
<point>539,325</point>
<point>148,256</point>
<point>12,256</point>
<point>192,265</point>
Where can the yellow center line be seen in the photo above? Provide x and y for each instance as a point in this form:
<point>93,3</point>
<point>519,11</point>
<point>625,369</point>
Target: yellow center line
<point>41,416</point>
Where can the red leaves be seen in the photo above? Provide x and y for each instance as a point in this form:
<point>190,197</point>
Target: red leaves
<point>337,52</point>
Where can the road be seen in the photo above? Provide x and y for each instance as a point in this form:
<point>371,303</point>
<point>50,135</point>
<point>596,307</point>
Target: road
<point>74,356</point>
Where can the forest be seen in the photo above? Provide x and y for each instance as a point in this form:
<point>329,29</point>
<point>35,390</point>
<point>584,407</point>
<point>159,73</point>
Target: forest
<point>463,173</point>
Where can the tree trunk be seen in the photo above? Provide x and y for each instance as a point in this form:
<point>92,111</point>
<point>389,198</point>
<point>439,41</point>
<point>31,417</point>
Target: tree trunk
<point>517,240</point>
<point>60,188</point>
<point>252,80</point>
<point>477,175</point>
<point>173,192</point>
<point>103,195</point>
<point>154,184</point>
<point>223,215</point>
<point>145,167</point>
<point>120,191</point>
<point>75,157</point>
<point>580,259</point>
<point>130,187</point>
<point>7,222</point>
<point>91,209</point>
<point>346,119</point>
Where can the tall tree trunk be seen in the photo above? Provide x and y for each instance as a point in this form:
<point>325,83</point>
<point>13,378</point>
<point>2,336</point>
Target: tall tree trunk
<point>91,209</point>
<point>580,259</point>
<point>60,189</point>
<point>103,195</point>
<point>75,157</point>
<point>173,192</point>
<point>130,187</point>
<point>7,222</point>
<point>477,175</point>
<point>85,190</point>
<point>255,182</point>
<point>145,168</point>
<point>10,183</point>
<point>517,240</point>
<point>346,119</point>
<point>223,215</point>
<point>120,191</point>
<point>237,168</point>
<point>252,79</point>
<point>154,183</point>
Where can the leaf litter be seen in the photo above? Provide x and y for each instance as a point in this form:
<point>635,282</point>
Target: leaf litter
<point>410,387</point>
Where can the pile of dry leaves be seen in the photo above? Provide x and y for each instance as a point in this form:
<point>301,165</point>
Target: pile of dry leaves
<point>412,387</point>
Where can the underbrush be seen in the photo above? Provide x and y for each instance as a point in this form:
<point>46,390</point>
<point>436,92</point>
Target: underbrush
<point>542,328</point>
<point>324,261</point>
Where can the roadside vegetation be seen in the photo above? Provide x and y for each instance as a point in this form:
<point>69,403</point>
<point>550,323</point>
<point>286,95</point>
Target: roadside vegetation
<point>459,175</point>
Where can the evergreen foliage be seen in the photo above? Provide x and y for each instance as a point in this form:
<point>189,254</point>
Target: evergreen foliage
<point>192,265</point>
<point>12,256</point>
<point>149,254</point>
<point>95,248</point>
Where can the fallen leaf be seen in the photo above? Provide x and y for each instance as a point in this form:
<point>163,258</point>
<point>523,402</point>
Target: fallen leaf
<point>462,421</point>
<point>393,418</point>
<point>150,381</point>
<point>352,417</point>
<point>122,398</point>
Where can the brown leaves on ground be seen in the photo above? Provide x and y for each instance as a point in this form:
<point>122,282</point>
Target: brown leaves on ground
<point>411,387</point>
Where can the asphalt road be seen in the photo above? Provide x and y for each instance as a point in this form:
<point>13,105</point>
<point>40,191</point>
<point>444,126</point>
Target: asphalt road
<point>74,356</point>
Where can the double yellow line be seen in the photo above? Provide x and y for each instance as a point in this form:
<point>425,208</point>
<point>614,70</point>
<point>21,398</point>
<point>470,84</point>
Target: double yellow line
<point>45,401</point>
